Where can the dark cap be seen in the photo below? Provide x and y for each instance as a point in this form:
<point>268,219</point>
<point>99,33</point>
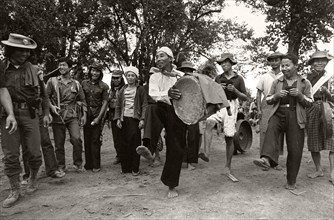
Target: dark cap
<point>226,56</point>
<point>117,73</point>
<point>66,60</point>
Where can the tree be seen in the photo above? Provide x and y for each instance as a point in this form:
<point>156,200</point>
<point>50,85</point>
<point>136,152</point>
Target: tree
<point>131,31</point>
<point>297,23</point>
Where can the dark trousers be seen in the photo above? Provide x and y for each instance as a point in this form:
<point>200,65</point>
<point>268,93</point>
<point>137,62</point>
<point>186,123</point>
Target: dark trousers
<point>117,137</point>
<point>285,120</point>
<point>92,143</point>
<point>152,128</point>
<point>132,138</point>
<point>59,133</point>
<point>49,156</point>
<point>192,146</point>
<point>27,133</point>
<point>164,114</point>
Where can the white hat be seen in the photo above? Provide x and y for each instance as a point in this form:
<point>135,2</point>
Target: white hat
<point>166,50</point>
<point>131,69</point>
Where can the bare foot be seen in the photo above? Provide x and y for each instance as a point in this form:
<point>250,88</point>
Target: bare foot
<point>278,167</point>
<point>332,178</point>
<point>227,172</point>
<point>172,193</point>
<point>144,152</point>
<point>191,166</point>
<point>156,162</point>
<point>290,187</point>
<point>316,174</point>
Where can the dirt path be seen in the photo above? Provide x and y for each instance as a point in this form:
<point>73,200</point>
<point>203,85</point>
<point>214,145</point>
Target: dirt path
<point>204,192</point>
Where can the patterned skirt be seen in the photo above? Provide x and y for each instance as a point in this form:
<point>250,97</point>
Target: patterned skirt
<point>316,140</point>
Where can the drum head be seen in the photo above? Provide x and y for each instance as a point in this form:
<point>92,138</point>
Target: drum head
<point>190,108</point>
<point>243,137</point>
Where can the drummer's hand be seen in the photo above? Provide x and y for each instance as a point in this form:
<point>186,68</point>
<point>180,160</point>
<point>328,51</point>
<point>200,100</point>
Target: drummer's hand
<point>174,93</point>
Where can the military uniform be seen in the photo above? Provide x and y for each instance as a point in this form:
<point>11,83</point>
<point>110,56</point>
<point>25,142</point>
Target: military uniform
<point>70,98</point>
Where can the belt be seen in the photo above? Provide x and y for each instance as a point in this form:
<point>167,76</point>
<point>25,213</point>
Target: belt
<point>22,105</point>
<point>287,106</point>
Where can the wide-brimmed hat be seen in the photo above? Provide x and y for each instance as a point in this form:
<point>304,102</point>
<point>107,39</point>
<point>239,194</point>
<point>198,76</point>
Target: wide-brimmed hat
<point>186,65</point>
<point>318,55</point>
<point>20,41</point>
<point>131,69</point>
<point>226,56</point>
<point>274,55</point>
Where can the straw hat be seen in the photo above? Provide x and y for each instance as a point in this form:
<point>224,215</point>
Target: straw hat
<point>274,55</point>
<point>20,41</point>
<point>187,65</point>
<point>318,55</point>
<point>226,56</point>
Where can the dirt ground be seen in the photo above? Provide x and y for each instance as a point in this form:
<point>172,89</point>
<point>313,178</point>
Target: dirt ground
<point>204,192</point>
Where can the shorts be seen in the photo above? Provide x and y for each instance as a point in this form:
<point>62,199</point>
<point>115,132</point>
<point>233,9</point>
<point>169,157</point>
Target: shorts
<point>228,122</point>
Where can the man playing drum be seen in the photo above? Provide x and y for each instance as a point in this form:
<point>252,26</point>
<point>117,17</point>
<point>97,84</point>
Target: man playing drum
<point>234,87</point>
<point>161,90</point>
<point>323,94</point>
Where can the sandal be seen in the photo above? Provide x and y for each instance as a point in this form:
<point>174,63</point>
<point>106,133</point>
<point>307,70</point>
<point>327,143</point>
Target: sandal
<point>262,163</point>
<point>203,157</point>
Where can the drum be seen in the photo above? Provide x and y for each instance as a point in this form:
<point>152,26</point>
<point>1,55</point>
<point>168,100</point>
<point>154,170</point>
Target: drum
<point>190,108</point>
<point>243,137</point>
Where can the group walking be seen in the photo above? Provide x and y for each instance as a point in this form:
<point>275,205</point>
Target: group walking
<point>288,105</point>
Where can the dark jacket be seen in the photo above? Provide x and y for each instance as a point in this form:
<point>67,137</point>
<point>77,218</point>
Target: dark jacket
<point>140,103</point>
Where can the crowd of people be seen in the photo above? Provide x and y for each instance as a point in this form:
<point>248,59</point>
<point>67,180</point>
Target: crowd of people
<point>291,105</point>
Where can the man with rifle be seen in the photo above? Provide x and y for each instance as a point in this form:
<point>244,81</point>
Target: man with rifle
<point>68,110</point>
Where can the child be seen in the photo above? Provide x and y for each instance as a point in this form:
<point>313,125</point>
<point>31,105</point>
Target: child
<point>289,94</point>
<point>130,111</point>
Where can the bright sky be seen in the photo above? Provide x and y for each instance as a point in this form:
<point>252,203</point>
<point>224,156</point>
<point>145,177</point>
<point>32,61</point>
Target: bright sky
<point>256,21</point>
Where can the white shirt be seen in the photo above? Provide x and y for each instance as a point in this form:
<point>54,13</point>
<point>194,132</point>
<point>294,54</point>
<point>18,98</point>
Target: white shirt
<point>266,80</point>
<point>160,84</point>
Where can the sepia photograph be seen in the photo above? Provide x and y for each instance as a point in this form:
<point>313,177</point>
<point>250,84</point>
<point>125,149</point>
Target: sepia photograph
<point>158,110</point>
